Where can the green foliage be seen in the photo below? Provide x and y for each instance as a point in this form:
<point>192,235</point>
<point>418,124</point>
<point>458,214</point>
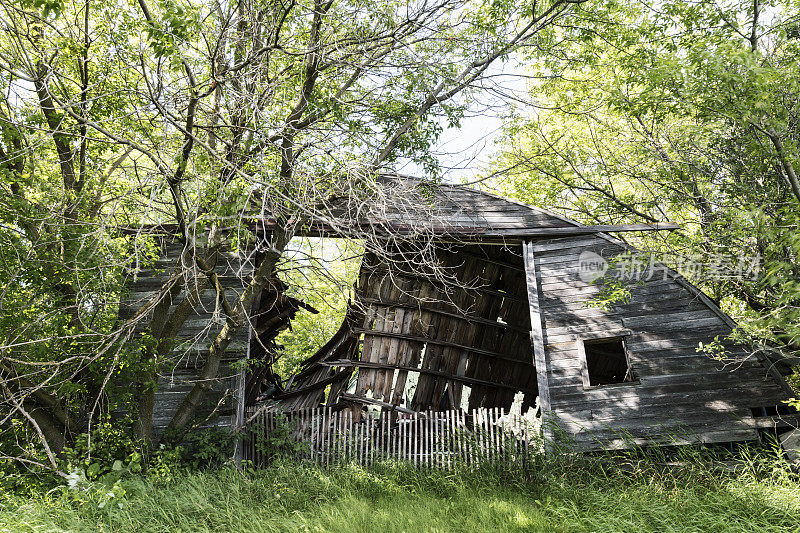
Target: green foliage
<point>48,7</point>
<point>279,442</point>
<point>613,292</point>
<point>207,448</point>
<point>15,440</point>
<point>100,460</point>
<point>106,453</point>
<point>179,24</point>
<point>321,274</point>
<point>119,116</point>
<point>676,114</point>
<point>714,349</point>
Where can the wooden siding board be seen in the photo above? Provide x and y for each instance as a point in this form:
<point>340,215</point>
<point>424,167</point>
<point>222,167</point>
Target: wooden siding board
<point>540,354</point>
<point>181,368</point>
<point>666,322</point>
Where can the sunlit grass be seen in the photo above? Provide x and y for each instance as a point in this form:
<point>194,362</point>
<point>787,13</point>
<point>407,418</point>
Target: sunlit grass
<point>574,494</point>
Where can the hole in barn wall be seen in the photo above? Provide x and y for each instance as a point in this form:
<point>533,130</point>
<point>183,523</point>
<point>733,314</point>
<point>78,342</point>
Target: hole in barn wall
<point>607,362</point>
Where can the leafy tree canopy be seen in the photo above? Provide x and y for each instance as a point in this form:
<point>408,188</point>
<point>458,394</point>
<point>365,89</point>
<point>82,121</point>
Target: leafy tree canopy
<point>679,111</point>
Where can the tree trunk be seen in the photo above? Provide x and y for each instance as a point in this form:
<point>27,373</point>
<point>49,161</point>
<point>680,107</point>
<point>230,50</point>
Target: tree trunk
<point>236,318</point>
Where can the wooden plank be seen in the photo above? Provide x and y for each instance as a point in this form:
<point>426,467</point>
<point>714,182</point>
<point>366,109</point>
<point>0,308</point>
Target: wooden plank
<point>371,401</point>
<point>604,409</point>
<point>610,442</point>
<point>722,378</point>
<point>706,437</point>
<point>413,350</point>
<point>695,331</point>
<point>547,247</point>
<point>567,283</point>
<point>653,351</point>
<point>653,427</point>
<point>518,231</point>
<point>540,355</point>
<point>430,309</point>
<point>785,387</point>
<point>563,313</point>
<point>655,367</point>
<point>665,385</point>
<point>437,373</point>
<point>738,397</point>
<point>461,332</point>
<point>677,410</point>
<point>439,342</point>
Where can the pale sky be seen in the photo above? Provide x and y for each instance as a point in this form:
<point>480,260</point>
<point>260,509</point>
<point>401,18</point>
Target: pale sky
<point>466,151</point>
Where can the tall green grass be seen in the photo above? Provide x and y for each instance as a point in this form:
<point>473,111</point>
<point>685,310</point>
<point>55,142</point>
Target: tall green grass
<point>621,492</point>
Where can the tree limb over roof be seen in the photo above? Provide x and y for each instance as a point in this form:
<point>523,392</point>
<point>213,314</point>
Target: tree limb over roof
<point>408,206</point>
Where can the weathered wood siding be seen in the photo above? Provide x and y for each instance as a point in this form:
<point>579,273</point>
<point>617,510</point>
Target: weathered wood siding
<point>466,324</point>
<point>178,374</point>
<point>680,394</point>
<point>475,332</point>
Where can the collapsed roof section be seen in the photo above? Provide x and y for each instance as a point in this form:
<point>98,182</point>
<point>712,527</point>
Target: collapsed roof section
<point>462,334</point>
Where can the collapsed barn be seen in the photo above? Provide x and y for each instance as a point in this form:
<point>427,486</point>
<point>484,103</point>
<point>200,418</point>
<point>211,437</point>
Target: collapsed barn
<point>495,313</point>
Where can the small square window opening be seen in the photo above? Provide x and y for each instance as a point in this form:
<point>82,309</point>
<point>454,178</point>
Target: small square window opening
<point>607,362</point>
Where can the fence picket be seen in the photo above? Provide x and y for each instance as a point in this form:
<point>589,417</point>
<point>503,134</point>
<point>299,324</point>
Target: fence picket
<point>368,439</point>
<point>450,439</point>
<point>426,448</point>
<point>476,448</point>
<point>382,427</point>
<point>432,458</point>
<point>413,435</point>
<point>350,455</point>
<point>421,439</point>
<point>357,430</point>
<point>484,432</point>
<point>493,434</point>
<point>424,451</point>
<point>362,445</point>
<point>406,456</point>
<point>460,437</point>
<point>390,435</point>
<point>401,435</point>
<point>357,438</point>
<point>436,452</point>
<point>427,439</point>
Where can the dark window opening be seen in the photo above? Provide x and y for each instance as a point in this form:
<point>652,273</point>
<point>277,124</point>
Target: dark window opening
<point>607,362</point>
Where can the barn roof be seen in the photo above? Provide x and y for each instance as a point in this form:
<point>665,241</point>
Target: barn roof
<point>408,205</point>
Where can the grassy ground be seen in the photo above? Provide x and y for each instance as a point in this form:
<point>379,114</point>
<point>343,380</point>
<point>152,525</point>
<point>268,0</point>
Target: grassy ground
<point>568,496</point>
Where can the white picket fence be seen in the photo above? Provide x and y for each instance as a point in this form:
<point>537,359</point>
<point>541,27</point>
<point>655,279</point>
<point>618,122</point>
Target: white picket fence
<point>438,439</point>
